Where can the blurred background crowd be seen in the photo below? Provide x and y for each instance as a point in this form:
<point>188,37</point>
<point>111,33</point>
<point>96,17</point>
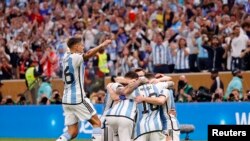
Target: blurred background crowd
<point>160,36</point>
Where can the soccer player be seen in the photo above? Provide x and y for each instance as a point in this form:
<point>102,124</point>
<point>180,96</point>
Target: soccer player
<point>115,93</point>
<point>76,105</point>
<point>111,99</point>
<point>166,100</point>
<point>121,116</point>
<point>148,125</point>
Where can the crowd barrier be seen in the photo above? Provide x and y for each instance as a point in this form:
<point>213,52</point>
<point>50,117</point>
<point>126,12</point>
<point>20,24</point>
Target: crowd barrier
<point>48,121</point>
<point>14,87</point>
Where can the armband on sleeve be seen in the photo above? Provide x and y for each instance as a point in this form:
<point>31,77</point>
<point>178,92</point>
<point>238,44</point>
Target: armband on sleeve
<point>122,97</point>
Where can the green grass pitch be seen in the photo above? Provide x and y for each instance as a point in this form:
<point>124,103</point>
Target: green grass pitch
<point>8,139</point>
<point>11,139</point>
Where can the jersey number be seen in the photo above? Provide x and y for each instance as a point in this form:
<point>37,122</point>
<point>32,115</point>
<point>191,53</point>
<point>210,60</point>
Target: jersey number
<point>152,107</point>
<point>69,77</point>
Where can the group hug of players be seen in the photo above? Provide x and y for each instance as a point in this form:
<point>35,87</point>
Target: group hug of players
<point>140,106</point>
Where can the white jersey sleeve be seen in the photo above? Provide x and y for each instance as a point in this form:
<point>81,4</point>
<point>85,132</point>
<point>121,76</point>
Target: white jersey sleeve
<point>164,92</point>
<point>161,85</point>
<point>116,87</point>
<point>78,59</point>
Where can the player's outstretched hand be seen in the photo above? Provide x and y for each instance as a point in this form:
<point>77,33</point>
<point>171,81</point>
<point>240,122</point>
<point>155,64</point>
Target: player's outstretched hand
<point>143,80</point>
<point>106,42</point>
<point>154,81</point>
<point>172,112</point>
<point>159,75</point>
<point>139,99</point>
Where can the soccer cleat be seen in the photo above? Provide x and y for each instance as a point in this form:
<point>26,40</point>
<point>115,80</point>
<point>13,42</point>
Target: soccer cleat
<point>62,138</point>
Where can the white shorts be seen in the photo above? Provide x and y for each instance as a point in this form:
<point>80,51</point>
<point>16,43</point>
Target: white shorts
<point>75,113</point>
<point>173,129</point>
<point>154,136</point>
<point>121,125</point>
<point>109,134</point>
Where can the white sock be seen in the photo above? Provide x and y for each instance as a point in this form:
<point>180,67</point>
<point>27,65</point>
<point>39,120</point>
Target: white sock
<point>97,134</point>
<point>64,137</point>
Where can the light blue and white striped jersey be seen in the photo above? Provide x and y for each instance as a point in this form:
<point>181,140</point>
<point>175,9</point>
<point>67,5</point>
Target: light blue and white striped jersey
<point>148,115</point>
<point>170,104</point>
<point>124,108</point>
<point>124,66</point>
<point>108,103</point>
<point>160,53</point>
<point>181,60</point>
<point>73,77</point>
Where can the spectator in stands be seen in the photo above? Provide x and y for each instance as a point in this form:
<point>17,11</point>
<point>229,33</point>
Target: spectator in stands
<point>123,62</point>
<point>56,97</point>
<point>215,52</point>
<point>98,97</point>
<point>185,91</point>
<point>181,54</point>
<point>193,48</point>
<point>121,39</point>
<point>235,84</point>
<point>103,59</point>
<point>61,50</point>
<point>44,90</point>
<point>49,62</point>
<point>133,42</point>
<point>238,43</point>
<point>32,75</point>
<point>5,69</point>
<point>245,55</point>
<point>247,95</point>
<point>160,53</point>
<point>21,100</point>
<point>35,15</point>
<point>23,64</point>
<point>9,100</point>
<point>202,62</point>
<point>217,96</point>
<point>44,100</point>
<point>3,54</point>
<point>234,96</point>
<point>217,83</point>
<point>5,66</point>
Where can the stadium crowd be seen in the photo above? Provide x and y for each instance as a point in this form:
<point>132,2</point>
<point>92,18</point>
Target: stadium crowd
<point>160,36</point>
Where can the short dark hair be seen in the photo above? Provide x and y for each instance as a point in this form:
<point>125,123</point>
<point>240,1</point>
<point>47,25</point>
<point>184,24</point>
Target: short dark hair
<point>214,71</point>
<point>137,69</point>
<point>236,26</point>
<point>131,75</point>
<point>149,75</point>
<point>74,40</point>
<point>235,71</point>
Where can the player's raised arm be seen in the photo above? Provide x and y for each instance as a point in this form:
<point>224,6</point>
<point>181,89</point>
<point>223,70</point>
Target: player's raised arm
<point>110,88</point>
<point>133,85</point>
<point>92,52</point>
<point>162,77</point>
